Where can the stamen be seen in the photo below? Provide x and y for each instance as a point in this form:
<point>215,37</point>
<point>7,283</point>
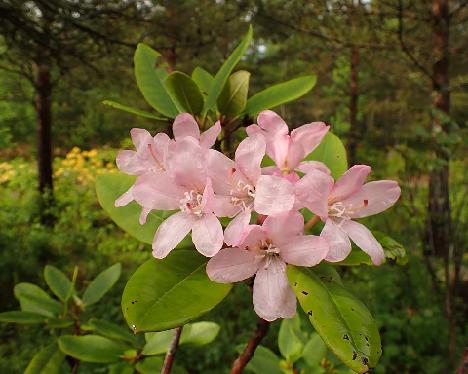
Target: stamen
<point>192,203</point>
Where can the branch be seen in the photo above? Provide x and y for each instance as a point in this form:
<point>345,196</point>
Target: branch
<point>169,360</point>
<point>244,358</point>
<point>404,47</point>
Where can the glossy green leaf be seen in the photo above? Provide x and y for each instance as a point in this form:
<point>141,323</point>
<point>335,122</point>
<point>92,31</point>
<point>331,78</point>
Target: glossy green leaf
<point>59,323</point>
<point>289,342</point>
<point>17,316</point>
<point>264,361</point>
<point>109,330</point>
<point>185,92</point>
<point>151,365</point>
<point>224,72</point>
<point>332,153</point>
<point>343,322</point>
<point>34,299</point>
<point>199,333</point>
<point>92,348</point>
<point>233,98</point>
<point>111,186</point>
<point>314,351</point>
<point>135,111</point>
<point>101,284</point>
<point>280,93</point>
<point>121,368</point>
<point>47,361</point>
<point>157,343</point>
<point>203,79</point>
<point>58,282</point>
<point>167,293</point>
<point>151,82</point>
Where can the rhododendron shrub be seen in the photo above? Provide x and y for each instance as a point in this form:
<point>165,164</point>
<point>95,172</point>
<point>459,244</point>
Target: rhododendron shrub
<point>279,210</point>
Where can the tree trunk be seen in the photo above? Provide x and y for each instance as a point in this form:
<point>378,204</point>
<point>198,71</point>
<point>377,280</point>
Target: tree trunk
<point>43,89</point>
<point>354,131</point>
<point>439,202</point>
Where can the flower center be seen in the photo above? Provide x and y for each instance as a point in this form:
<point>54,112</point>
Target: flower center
<point>192,203</point>
<point>243,196</point>
<point>343,211</point>
<point>268,252</point>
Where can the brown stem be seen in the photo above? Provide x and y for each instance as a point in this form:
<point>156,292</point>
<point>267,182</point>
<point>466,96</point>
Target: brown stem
<point>311,222</point>
<point>248,352</point>
<point>169,360</point>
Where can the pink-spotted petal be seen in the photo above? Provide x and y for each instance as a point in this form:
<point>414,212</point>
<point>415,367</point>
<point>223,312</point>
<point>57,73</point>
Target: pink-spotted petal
<point>373,198</point>
<point>208,138</point>
<point>232,265</point>
<point>236,229</point>
<point>249,156</point>
<point>309,136</point>
<point>364,239</point>
<point>340,246</point>
<point>185,125</point>
<point>283,227</point>
<point>207,235</point>
<point>350,182</point>
<point>304,250</point>
<point>273,297</point>
<point>171,232</point>
<point>313,190</point>
<point>273,195</point>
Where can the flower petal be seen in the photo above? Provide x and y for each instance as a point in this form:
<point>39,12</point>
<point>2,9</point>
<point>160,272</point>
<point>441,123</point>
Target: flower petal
<point>236,229</point>
<point>373,197</point>
<point>340,246</point>
<point>304,250</point>
<point>208,138</point>
<point>207,203</point>
<point>220,169</point>
<point>158,191</point>
<point>185,125</point>
<point>253,236</point>
<point>313,191</point>
<point>272,295</point>
<point>171,232</point>
<point>232,265</point>
<point>141,138</point>
<point>308,166</point>
<point>276,135</point>
<point>144,215</point>
<point>207,235</point>
<point>128,162</point>
<point>125,199</point>
<point>273,195</point>
<point>272,123</point>
<point>160,149</point>
<point>282,227</point>
<point>350,182</point>
<point>309,136</point>
<point>249,156</point>
<point>364,239</point>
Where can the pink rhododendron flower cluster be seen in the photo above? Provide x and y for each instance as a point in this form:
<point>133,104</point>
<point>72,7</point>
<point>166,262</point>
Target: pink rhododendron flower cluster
<point>201,185</point>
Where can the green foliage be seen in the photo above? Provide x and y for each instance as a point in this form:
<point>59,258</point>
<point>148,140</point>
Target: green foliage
<point>101,285</point>
<point>332,153</point>
<point>155,297</point>
<point>47,360</point>
<point>203,79</point>
<point>185,91</point>
<point>290,339</point>
<point>232,100</point>
<point>58,283</point>
<point>21,317</point>
<point>34,299</point>
<point>344,322</point>
<point>137,112</point>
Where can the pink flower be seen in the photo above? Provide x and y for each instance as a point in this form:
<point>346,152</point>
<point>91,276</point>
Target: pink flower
<point>264,252</point>
<point>185,125</point>
<point>288,150</point>
<point>185,187</point>
<point>240,187</point>
<point>339,203</point>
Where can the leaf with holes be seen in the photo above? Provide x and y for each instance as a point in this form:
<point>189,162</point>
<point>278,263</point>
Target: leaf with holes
<point>163,294</point>
<point>332,153</point>
<point>343,322</point>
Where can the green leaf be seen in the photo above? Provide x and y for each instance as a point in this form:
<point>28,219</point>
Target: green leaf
<point>343,322</point>
<point>199,333</point>
<point>332,153</point>
<point>109,330</point>
<point>185,91</point>
<point>58,283</point>
<point>264,361</point>
<point>34,299</point>
<point>47,361</point>
<point>233,98</point>
<point>17,316</point>
<point>150,81</point>
<point>101,284</point>
<point>137,112</point>
<point>121,368</point>
<point>157,343</point>
<point>151,365</point>
<point>203,79</point>
<point>289,343</point>
<point>279,94</point>
<point>92,348</point>
<point>111,186</point>
<point>314,351</point>
<point>167,293</point>
<point>225,71</point>
<point>59,323</point>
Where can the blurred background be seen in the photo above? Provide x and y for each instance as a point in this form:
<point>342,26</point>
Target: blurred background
<point>392,83</point>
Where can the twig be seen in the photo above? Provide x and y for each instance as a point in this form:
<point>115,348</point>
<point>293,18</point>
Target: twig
<point>311,222</point>
<point>169,360</point>
<point>241,362</point>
